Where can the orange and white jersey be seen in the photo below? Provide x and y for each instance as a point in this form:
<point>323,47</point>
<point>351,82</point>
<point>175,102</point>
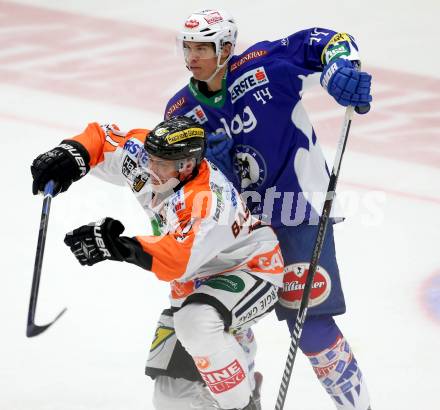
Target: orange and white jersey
<point>202,229</point>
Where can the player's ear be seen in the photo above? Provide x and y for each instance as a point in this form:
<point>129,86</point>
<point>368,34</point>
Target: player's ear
<point>226,50</point>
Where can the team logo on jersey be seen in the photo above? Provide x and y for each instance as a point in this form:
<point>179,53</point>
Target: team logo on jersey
<point>128,166</point>
<point>202,363</point>
<point>220,205</point>
<point>135,147</point>
<point>294,280</point>
<point>247,82</point>
<point>335,40</point>
<point>249,164</point>
<point>222,380</point>
<point>174,107</point>
<point>229,283</point>
<point>339,37</point>
<point>177,201</point>
<point>247,57</point>
<point>336,51</point>
<point>197,114</point>
<point>180,290</point>
<point>269,262</point>
<point>139,182</point>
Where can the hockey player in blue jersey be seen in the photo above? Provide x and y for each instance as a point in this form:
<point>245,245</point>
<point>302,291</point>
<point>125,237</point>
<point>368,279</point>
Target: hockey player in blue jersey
<point>263,140</point>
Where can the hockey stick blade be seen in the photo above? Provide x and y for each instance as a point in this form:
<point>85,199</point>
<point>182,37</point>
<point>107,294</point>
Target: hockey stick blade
<point>32,329</point>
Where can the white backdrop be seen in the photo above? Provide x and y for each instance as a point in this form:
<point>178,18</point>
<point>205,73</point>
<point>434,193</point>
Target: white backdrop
<point>65,63</point>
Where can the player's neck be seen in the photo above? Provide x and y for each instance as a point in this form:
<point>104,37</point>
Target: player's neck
<point>216,83</point>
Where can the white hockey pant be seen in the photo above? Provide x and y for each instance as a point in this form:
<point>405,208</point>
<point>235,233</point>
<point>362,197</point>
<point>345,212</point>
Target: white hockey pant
<point>221,361</point>
<point>224,358</point>
<point>180,394</point>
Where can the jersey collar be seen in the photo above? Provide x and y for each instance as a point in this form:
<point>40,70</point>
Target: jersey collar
<point>216,101</point>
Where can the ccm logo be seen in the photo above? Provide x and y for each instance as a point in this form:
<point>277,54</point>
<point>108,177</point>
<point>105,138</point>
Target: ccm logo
<point>99,240</point>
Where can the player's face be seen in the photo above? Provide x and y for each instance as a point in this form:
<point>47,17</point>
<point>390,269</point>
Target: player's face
<point>200,59</point>
<point>161,170</point>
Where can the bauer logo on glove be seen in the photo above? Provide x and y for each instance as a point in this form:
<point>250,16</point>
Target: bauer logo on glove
<point>64,164</point>
<point>96,241</point>
<point>345,84</point>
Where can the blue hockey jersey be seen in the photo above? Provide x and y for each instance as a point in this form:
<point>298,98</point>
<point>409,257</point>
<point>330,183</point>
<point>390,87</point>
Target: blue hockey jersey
<point>278,161</point>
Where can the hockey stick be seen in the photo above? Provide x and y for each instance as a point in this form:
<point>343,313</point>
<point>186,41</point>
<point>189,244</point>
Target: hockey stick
<point>322,228</point>
<point>32,329</point>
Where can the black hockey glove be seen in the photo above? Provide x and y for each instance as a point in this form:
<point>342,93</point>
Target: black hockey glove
<point>64,164</point>
<point>97,241</point>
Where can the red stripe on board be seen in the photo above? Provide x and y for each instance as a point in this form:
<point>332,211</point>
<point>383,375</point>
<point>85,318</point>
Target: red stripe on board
<point>87,57</point>
<point>403,124</point>
<point>68,131</point>
<point>394,192</point>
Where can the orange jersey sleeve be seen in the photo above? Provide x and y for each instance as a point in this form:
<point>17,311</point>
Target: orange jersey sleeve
<point>173,252</point>
<point>105,145</point>
<point>101,139</point>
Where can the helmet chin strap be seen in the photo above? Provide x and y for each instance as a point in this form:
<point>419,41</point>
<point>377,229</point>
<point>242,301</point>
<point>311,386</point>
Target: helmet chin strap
<point>219,66</point>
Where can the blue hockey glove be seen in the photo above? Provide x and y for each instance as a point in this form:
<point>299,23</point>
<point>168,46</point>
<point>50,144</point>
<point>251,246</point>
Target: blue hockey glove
<point>347,85</point>
<point>218,151</point>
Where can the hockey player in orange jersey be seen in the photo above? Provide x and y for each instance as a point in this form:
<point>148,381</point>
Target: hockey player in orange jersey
<point>223,266</point>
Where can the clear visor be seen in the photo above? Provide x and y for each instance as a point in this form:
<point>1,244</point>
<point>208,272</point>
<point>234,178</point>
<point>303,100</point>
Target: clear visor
<point>155,174</point>
<point>195,50</point>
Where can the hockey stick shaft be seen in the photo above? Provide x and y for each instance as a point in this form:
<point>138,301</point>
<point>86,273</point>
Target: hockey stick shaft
<point>322,228</point>
<point>32,329</point>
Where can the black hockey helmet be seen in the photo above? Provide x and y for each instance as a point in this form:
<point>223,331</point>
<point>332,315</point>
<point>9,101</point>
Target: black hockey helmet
<point>177,138</point>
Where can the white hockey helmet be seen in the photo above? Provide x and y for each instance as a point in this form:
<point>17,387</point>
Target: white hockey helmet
<point>209,26</point>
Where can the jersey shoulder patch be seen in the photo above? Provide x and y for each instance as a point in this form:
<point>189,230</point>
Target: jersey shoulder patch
<point>139,133</point>
<point>176,103</point>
